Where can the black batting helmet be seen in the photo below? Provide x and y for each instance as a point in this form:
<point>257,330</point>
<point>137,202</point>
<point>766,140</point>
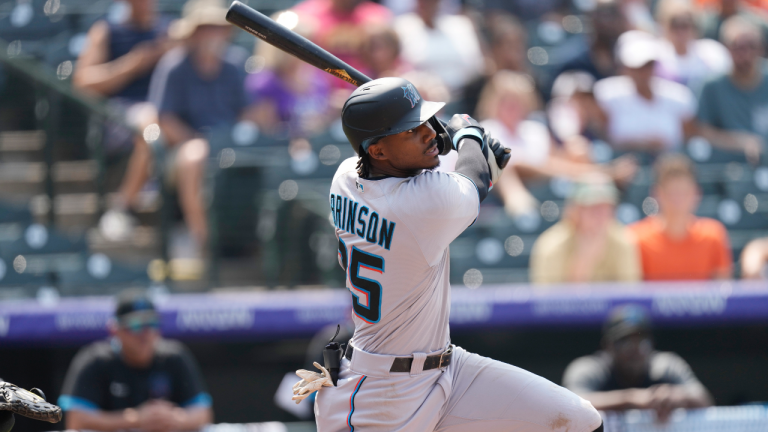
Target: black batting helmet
<point>388,106</point>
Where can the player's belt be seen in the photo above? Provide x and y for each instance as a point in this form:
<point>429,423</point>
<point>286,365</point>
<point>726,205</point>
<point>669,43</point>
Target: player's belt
<point>403,364</point>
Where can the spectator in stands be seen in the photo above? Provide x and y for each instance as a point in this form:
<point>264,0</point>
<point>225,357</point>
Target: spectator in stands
<point>505,110</point>
<point>644,113</point>
<point>683,57</point>
<point>381,53</point>
<point>574,115</point>
<point>629,374</point>
<point>733,109</point>
<point>724,9</point>
<point>597,59</point>
<point>339,26</point>
<point>136,380</point>
<point>197,88</point>
<point>507,50</point>
<point>675,244</point>
<point>116,63</point>
<point>588,244</point>
<point>754,259</point>
<point>289,97</point>
<point>444,45</point>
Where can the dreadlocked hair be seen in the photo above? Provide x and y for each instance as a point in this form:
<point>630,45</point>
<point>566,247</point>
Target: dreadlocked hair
<point>364,166</point>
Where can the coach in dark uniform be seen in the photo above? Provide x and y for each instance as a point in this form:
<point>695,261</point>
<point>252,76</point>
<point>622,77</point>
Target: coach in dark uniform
<point>135,380</point>
<point>629,374</point>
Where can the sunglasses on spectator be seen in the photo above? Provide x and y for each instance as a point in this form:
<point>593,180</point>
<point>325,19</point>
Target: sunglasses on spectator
<point>744,46</point>
<point>140,324</point>
<point>680,24</point>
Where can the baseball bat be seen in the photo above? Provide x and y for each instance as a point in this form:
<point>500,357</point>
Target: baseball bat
<point>281,37</point>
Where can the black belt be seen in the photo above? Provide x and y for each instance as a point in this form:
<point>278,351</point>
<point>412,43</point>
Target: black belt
<point>403,364</point>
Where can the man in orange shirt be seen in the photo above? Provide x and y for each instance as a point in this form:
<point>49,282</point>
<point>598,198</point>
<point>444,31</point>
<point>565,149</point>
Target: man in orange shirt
<point>675,244</point>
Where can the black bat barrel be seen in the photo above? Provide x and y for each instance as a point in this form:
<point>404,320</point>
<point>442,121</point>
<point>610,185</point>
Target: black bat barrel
<point>264,28</point>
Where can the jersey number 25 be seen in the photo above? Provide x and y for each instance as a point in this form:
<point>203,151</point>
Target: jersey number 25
<point>366,293</point>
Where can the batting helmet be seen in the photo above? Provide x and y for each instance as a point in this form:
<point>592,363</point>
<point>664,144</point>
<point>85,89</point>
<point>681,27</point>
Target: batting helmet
<point>388,106</point>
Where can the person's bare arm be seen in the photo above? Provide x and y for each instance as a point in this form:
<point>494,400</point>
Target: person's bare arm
<point>192,418</point>
<point>750,144</point>
<point>754,258</point>
<point>102,420</point>
<point>175,130</point>
<point>617,400</point>
<point>96,75</point>
<point>152,416</point>
<point>662,398</point>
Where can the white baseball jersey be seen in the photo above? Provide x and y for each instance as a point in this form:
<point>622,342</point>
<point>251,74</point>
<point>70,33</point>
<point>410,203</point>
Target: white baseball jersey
<point>393,243</point>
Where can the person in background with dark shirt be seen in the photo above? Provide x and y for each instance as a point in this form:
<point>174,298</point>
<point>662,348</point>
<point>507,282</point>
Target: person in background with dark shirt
<point>117,63</point>
<point>629,374</point>
<point>597,59</point>
<point>197,88</point>
<point>136,380</point>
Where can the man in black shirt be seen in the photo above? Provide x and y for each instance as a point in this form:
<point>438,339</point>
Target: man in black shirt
<point>629,374</point>
<point>135,380</point>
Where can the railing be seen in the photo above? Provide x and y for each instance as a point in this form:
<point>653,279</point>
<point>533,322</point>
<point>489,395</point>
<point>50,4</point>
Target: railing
<point>300,313</point>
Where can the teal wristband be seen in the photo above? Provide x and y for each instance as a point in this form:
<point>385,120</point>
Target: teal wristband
<point>468,132</point>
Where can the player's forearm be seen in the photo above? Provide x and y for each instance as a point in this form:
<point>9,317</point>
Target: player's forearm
<point>102,420</point>
<point>473,165</point>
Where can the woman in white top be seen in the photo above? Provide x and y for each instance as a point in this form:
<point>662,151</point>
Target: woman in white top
<point>683,57</point>
<point>505,108</point>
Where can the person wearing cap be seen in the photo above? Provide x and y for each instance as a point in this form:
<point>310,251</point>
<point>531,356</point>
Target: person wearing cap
<point>135,380</point>
<point>628,373</point>
<point>644,113</point>
<point>198,87</point>
<point>588,244</point>
<point>675,244</point>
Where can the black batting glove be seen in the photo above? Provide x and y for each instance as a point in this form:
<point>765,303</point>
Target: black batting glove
<point>463,126</point>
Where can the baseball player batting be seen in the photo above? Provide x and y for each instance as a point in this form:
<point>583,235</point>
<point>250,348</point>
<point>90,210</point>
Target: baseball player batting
<point>394,219</point>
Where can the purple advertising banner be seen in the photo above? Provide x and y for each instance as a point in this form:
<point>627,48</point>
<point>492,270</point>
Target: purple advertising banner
<point>270,315</point>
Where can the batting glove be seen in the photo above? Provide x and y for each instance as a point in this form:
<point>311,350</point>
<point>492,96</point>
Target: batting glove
<point>463,126</point>
<point>496,154</point>
<point>310,382</point>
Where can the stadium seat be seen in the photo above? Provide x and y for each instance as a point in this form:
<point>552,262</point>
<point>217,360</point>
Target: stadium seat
<point>100,275</point>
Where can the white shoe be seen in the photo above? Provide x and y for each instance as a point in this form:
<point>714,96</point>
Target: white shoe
<point>117,225</point>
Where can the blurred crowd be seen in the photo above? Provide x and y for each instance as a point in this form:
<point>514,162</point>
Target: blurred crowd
<point>638,78</point>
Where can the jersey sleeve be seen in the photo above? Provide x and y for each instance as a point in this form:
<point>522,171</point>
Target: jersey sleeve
<point>585,375</point>
<point>190,391</point>
<point>436,207</point>
<point>83,385</point>
<point>670,368</point>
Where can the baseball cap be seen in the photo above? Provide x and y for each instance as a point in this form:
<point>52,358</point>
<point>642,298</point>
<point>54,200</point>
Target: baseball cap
<point>135,311</point>
<point>593,189</point>
<point>626,320</point>
<point>636,48</point>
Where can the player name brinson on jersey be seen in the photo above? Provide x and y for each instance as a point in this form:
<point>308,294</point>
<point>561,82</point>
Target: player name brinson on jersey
<point>350,216</point>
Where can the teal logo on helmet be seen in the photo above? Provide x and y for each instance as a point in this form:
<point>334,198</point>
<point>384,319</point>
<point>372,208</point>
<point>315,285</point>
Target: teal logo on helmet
<point>411,94</point>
